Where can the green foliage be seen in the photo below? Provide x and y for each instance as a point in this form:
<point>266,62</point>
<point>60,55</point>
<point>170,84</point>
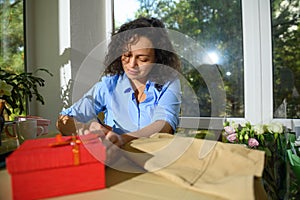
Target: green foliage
<point>12,35</point>
<point>286,55</point>
<point>25,86</point>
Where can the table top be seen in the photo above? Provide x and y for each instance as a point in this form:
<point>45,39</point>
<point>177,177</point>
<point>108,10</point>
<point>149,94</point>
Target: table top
<point>123,185</point>
<point>147,186</point>
<point>218,175</point>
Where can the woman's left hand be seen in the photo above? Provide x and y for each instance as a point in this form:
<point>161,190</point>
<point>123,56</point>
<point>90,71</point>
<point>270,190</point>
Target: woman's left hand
<point>111,140</point>
<point>113,143</point>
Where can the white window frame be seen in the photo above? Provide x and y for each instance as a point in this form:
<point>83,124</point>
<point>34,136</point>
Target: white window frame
<point>257,61</point>
<point>258,66</point>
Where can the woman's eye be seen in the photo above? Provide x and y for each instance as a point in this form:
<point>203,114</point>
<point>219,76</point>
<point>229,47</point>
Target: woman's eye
<point>143,59</point>
<point>125,57</point>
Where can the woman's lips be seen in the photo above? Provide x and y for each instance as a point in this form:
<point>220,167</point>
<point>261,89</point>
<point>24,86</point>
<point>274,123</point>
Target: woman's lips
<point>132,72</point>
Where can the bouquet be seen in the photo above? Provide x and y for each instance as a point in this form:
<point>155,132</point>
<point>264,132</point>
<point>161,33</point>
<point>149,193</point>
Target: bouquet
<point>270,138</point>
<point>253,136</point>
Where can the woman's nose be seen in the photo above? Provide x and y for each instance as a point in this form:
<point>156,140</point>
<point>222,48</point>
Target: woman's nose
<point>132,62</point>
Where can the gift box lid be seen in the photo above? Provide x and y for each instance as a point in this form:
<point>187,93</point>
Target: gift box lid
<point>40,154</point>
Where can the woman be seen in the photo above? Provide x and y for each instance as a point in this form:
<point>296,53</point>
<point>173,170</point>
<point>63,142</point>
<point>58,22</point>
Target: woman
<point>139,92</point>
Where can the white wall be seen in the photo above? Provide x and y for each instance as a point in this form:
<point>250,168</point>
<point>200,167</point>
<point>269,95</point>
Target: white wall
<point>44,44</point>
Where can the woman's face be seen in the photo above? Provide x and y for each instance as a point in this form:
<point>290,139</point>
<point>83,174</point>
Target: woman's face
<point>137,61</point>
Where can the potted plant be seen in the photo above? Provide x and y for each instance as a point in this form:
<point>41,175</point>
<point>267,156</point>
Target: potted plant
<point>17,89</point>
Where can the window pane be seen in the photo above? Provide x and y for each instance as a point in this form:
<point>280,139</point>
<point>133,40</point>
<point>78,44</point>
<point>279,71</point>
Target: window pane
<point>286,58</point>
<point>12,35</point>
<point>12,40</point>
<point>217,27</point>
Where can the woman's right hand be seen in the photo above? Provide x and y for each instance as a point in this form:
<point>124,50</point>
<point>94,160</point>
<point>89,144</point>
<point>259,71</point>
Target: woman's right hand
<point>66,125</point>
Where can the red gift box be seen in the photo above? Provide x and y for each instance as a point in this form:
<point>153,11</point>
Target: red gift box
<point>39,170</point>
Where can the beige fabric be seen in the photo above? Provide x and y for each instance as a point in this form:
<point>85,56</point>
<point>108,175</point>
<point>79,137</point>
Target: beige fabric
<point>227,171</point>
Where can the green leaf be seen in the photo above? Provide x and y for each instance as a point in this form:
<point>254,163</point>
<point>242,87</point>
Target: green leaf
<point>268,151</point>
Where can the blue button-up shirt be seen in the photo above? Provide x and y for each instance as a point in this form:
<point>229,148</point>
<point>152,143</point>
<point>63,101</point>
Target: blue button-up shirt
<point>114,96</point>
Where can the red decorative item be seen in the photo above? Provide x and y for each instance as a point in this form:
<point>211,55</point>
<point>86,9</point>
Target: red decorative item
<point>51,167</point>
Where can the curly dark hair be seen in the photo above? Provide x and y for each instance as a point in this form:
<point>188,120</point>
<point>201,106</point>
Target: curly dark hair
<point>166,63</point>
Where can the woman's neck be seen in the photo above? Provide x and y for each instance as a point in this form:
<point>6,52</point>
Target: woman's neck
<point>139,88</point>
<point>138,85</point>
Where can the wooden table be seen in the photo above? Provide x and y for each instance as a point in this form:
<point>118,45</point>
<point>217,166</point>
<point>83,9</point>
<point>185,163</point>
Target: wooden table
<point>121,185</point>
<point>149,186</point>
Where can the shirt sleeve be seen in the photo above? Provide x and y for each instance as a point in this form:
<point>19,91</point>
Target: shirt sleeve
<point>87,108</point>
<point>168,104</point>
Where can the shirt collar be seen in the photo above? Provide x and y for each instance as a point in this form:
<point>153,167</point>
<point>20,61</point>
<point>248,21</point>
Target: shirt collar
<point>127,87</point>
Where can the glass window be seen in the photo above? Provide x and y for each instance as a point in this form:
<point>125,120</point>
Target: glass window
<point>214,25</point>
<point>286,58</point>
<point>12,35</point>
<point>12,39</point>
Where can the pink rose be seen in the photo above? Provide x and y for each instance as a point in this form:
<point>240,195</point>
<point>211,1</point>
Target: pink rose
<point>231,137</point>
<point>229,130</point>
<point>252,142</point>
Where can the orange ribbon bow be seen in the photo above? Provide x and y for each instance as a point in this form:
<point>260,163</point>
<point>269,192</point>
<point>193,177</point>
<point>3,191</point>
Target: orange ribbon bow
<point>73,141</point>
